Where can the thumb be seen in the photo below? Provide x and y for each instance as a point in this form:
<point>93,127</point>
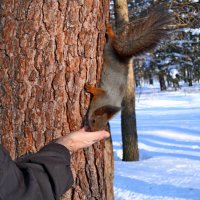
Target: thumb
<point>99,135</point>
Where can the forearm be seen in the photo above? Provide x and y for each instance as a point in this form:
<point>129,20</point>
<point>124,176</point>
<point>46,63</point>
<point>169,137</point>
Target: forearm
<point>44,175</point>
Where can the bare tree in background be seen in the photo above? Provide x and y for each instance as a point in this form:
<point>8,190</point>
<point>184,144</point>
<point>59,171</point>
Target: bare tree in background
<point>128,115</point>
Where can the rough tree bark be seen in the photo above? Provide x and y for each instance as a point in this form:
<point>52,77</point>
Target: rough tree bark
<point>48,51</point>
<point>128,114</point>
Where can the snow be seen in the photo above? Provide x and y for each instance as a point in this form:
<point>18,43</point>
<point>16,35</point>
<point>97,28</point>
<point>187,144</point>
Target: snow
<point>194,31</point>
<point>173,72</point>
<point>169,145</point>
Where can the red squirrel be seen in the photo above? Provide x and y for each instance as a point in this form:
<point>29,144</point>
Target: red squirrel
<point>130,40</point>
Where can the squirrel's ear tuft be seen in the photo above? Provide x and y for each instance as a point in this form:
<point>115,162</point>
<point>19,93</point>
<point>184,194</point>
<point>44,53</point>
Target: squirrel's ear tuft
<point>112,110</point>
<point>109,110</point>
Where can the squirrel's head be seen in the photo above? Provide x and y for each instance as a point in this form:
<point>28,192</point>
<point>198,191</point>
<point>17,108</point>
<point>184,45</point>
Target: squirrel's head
<point>100,117</point>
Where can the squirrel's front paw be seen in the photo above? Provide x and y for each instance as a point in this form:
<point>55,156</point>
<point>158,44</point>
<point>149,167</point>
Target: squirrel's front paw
<point>109,31</point>
<point>94,90</point>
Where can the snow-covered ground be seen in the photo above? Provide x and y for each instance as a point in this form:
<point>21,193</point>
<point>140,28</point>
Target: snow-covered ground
<point>169,145</point>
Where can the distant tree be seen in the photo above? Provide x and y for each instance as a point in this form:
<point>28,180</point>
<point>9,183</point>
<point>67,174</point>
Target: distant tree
<point>181,52</point>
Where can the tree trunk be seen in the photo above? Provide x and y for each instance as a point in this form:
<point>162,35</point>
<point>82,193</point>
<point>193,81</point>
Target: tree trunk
<point>189,82</point>
<point>48,51</point>
<point>190,76</point>
<point>150,79</point>
<point>121,12</point>
<point>128,115</point>
<point>162,81</point>
<point>128,120</point>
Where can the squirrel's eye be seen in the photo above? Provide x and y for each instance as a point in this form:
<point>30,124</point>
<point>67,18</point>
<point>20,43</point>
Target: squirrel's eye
<point>93,121</point>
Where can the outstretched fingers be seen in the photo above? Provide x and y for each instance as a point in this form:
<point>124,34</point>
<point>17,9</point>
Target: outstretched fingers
<point>81,139</point>
<point>97,136</point>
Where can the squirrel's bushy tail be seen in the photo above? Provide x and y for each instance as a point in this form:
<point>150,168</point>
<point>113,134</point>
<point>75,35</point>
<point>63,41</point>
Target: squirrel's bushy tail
<point>140,36</point>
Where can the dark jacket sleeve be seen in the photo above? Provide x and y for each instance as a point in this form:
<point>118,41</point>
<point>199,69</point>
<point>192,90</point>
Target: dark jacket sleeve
<point>45,175</point>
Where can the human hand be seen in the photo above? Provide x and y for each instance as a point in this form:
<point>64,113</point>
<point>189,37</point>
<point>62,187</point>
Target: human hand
<point>81,139</point>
